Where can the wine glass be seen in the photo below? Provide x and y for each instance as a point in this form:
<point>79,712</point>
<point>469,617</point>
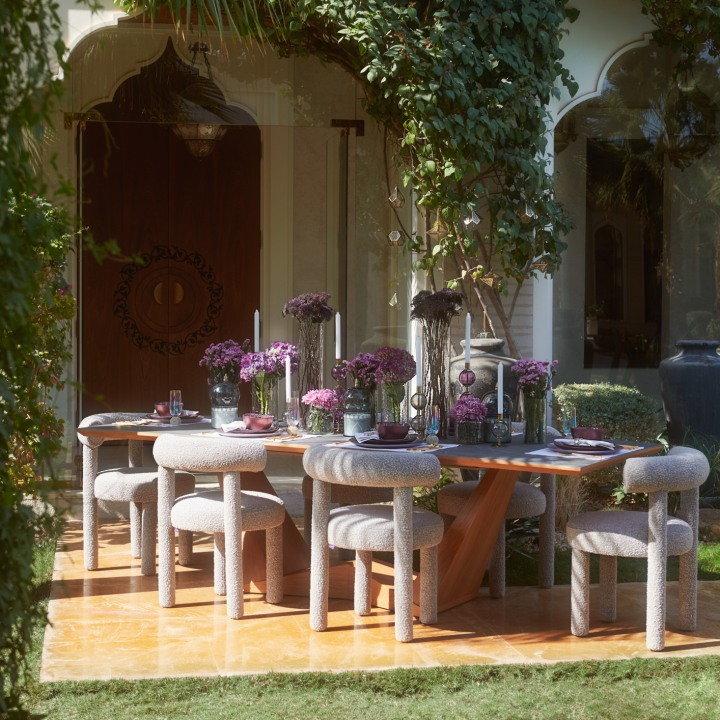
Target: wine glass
<point>176,406</point>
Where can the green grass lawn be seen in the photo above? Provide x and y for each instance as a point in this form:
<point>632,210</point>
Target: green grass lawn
<point>658,689</point>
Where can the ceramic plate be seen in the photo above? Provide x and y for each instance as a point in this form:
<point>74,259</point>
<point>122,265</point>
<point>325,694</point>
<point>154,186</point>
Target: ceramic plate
<point>390,444</point>
<point>187,416</point>
<point>571,449</point>
<point>250,433</point>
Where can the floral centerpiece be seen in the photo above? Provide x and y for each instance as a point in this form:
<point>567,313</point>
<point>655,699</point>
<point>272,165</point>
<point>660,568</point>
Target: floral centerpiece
<point>363,370</point>
<point>264,369</point>
<point>534,380</point>
<point>312,310</point>
<point>322,405</point>
<point>394,368</point>
<point>435,310</point>
<point>359,400</point>
<point>468,413</point>
<point>223,360</point>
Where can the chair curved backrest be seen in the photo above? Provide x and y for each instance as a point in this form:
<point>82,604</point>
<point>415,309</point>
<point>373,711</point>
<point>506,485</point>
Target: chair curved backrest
<point>208,454</point>
<point>104,419</point>
<point>379,469</point>
<point>683,468</point>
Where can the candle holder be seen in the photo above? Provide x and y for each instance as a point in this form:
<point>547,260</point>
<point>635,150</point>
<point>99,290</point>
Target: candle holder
<point>419,402</point>
<point>498,429</point>
<point>467,378</point>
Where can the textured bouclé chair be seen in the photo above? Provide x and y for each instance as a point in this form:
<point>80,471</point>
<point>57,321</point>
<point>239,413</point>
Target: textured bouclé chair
<point>526,501</point>
<point>225,513</point>
<point>653,534</point>
<point>399,528</point>
<point>136,485</point>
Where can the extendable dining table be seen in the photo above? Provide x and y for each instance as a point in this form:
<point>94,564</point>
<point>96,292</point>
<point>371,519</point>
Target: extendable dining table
<point>467,545</point>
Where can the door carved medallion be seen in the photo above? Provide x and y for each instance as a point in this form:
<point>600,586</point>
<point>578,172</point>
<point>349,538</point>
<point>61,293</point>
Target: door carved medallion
<point>169,301</point>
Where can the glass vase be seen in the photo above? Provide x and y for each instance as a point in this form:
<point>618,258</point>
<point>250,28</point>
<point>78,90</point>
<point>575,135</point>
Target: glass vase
<point>224,397</point>
<point>469,432</point>
<point>535,411</point>
<point>436,341</point>
<point>264,395</point>
<point>319,421</point>
<point>357,416</point>
<point>392,405</point>
<point>310,352</point>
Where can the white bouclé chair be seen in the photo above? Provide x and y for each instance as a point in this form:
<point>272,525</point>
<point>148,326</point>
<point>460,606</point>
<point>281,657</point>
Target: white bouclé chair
<point>653,534</point>
<point>526,501</point>
<point>135,485</point>
<point>399,528</point>
<point>225,513</point>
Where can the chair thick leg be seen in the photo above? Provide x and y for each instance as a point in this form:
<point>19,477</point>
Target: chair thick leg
<point>148,532</point>
<point>219,579</point>
<point>363,574</point>
<point>657,570</point>
<point>90,508</point>
<point>185,547</point>
<point>136,529</point>
<point>687,587</point>
<point>319,557</point>
<point>608,588</point>
<point>274,565</point>
<point>428,585</point>
<point>580,593</point>
<point>546,571</point>
<point>403,535</point>
<point>233,545</point>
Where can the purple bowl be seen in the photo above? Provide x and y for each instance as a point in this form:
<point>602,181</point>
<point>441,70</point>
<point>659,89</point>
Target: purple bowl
<point>162,409</point>
<point>392,431</point>
<point>587,433</point>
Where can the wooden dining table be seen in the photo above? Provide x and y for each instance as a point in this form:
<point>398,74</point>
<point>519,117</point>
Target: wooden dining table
<point>467,545</point>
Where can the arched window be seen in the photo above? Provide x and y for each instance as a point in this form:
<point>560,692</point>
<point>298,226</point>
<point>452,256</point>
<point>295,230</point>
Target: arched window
<point>637,168</point>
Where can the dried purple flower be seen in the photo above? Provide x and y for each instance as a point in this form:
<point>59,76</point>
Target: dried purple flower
<point>441,305</point>
<point>363,368</point>
<point>394,365</point>
<point>312,306</point>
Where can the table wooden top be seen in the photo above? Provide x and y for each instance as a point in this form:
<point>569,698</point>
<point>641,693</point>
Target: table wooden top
<point>512,456</point>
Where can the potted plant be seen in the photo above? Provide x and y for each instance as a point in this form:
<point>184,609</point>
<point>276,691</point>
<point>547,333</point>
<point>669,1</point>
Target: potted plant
<point>468,413</point>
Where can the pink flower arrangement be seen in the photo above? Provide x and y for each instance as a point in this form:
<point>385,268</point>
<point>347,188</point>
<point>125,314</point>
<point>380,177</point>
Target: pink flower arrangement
<point>322,399</point>
<point>534,376</point>
<point>468,408</point>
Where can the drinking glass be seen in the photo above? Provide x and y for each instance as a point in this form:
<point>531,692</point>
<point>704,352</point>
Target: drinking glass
<point>292,414</point>
<point>569,419</point>
<point>175,406</point>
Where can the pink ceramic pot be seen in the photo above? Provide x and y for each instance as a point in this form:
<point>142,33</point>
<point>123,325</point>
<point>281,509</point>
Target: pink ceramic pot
<point>255,421</point>
<point>392,431</point>
<point>587,433</point>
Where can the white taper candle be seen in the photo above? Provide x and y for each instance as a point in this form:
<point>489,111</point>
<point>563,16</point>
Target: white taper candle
<point>468,322</point>
<point>418,360</point>
<point>338,338</point>
<point>256,333</point>
<point>288,379</point>
<point>500,388</point>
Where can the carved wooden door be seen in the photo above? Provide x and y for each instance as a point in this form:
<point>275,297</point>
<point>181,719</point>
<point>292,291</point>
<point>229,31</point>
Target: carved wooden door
<point>190,232</point>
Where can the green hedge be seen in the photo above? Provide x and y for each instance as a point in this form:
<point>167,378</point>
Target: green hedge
<point>624,413</point>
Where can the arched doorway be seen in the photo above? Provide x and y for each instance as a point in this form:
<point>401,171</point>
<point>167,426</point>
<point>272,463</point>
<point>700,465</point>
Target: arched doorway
<point>188,228</point>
